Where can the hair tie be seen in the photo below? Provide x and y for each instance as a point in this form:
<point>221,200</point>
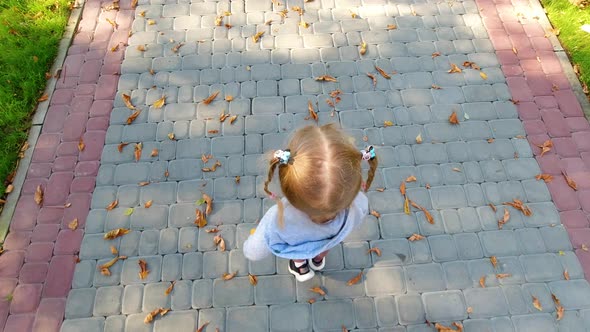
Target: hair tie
<point>273,196</point>
<point>283,156</point>
<point>368,153</point>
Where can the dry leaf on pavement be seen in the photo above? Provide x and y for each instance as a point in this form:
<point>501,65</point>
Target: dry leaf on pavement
<point>133,116</point>
<point>326,78</point>
<point>112,205</point>
<point>39,195</point>
<point>160,102</point>
<point>312,114</point>
<point>121,146</point>
<point>318,290</point>
<point>73,225</point>
<point>494,261</point>
<point>566,274</point>
<point>143,271</point>
<point>503,275</point>
<point>545,147</point>
<point>219,242</point>
<point>419,139</point>
<point>375,214</point>
<point>81,145</point>
<point>114,250</point>
<point>453,118</point>
<point>209,99</point>
<point>257,36</point>
<point>148,204</point>
<point>545,177</point>
<point>411,178</point>
<point>382,72</point>
<point>253,279</point>
<point>202,327</point>
<point>137,151</point>
<point>229,276</point>
<point>170,288</point>
<point>376,250</point>
<point>209,201</point>
<point>355,280</point>
<point>127,101</point>
<point>558,307</point>
<point>519,205</point>
<point>504,219</point>
<point>115,233</point>
<point>363,49</point>
<point>570,181</point>
<point>374,78</point>
<point>454,69</point>
<point>482,282</point>
<point>200,220</point>
<point>415,237</point>
<point>537,304</point>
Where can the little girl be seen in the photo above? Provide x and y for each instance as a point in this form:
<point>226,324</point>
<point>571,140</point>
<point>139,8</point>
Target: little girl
<point>320,176</point>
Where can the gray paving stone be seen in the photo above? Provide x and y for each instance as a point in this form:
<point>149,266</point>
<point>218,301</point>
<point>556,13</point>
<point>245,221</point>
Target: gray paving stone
<point>107,301</point>
<point>541,267</point>
<point>274,290</point>
<point>235,292</point>
<point>94,324</point>
<point>410,309</point>
<point>177,321</point>
<point>486,302</point>
<point>83,274</point>
<point>171,267</point>
<point>332,314</point>
<point>254,318</point>
<point>202,294</point>
<point>80,303</point>
<point>290,317</point>
<point>444,306</point>
<point>424,278</point>
<point>384,281</point>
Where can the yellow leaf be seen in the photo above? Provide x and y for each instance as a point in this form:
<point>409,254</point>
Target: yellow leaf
<point>257,36</point>
<point>355,280</point>
<point>415,237</point>
<point>419,138</point>
<point>39,195</point>
<point>483,75</point>
<point>160,102</point>
<point>537,304</point>
<point>387,123</point>
<point>81,144</point>
<point>209,99</point>
<point>148,204</point>
<point>454,69</point>
<point>363,48</point>
<point>73,225</point>
<point>253,279</point>
<point>115,233</point>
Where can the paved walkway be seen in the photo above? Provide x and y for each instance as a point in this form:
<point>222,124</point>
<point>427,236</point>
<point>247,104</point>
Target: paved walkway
<point>520,91</point>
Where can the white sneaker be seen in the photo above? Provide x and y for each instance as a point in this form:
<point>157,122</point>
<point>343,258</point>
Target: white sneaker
<point>302,273</point>
<point>315,266</point>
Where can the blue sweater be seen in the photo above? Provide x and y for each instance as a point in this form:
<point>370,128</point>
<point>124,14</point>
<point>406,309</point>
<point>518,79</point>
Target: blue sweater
<point>300,237</point>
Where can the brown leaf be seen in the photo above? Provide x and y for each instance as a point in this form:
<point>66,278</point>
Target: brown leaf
<point>374,78</point>
<point>363,49</point>
<point>514,101</point>
<point>387,123</point>
<point>435,54</point>
<point>311,301</point>
<point>200,220</point>
<point>143,271</point>
<point>160,102</point>
<point>375,214</point>
<point>456,169</point>
<point>112,205</point>
<point>469,310</point>
<point>133,116</point>
<point>482,282</point>
<point>376,250</point>
<point>150,316</point>
<point>43,98</point>
<point>148,204</point>
<point>121,146</point>
<point>170,288</point>
<point>545,147</point>
<point>81,144</point>
<point>115,233</point>
<point>454,69</point>
<point>257,36</point>
<point>212,230</point>
<point>537,304</point>
<point>570,181</point>
<point>114,250</point>
<point>209,202</point>
<point>312,113</point>
<point>9,189</point>
<point>137,151</point>
<point>442,328</point>
<point>229,98</point>
<point>503,275</point>
<point>415,237</point>
<point>143,183</point>
<point>237,179</point>
<point>209,99</point>
<point>205,158</point>
<point>435,87</point>
<point>453,118</point>
<point>355,280</point>
<point>380,189</point>
<point>110,263</point>
<point>382,72</point>
<point>171,136</point>
<point>411,178</point>
<point>229,276</point>
<point>391,27</point>
<point>202,327</point>
<point>253,279</point>
<point>318,290</point>
<point>519,205</point>
<point>494,261</point>
<point>223,116</point>
<point>105,272</point>
<point>177,47</point>
<point>127,101</point>
<point>233,119</point>
<point>545,177</point>
<point>419,139</point>
<point>140,48</point>
<point>566,275</point>
<point>133,4</point>
<point>492,207</point>
<point>39,195</point>
<point>73,225</point>
<point>402,188</point>
<point>504,219</point>
<point>326,78</point>
<point>154,153</point>
<point>219,242</point>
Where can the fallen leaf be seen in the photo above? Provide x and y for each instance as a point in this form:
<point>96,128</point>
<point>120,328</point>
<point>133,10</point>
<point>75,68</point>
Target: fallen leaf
<point>218,21</point>
<point>519,205</point>
<point>494,261</point>
<point>209,202</point>
<point>129,211</point>
<point>566,275</point>
<point>492,207</point>
<point>229,98</point>
<point>558,307</point>
<point>537,304</point>
<point>469,310</point>
<point>406,205</point>
<point>303,24</point>
<point>514,50</point>
<point>382,72</point>
<point>200,220</point>
<point>67,205</point>
<point>112,205</point>
<point>160,102</point>
<point>133,116</point>
<point>504,219</point>
<point>387,123</point>
<point>375,214</point>
<point>570,181</point>
<point>219,242</point>
<point>372,77</point>
<point>411,178</point>
<point>233,119</point>
<point>202,327</point>
<point>353,14</point>
<point>376,250</point>
<point>151,315</point>
<point>482,282</point>
<point>363,49</point>
<point>435,87</point>
<point>326,78</point>
<point>355,280</point>
<point>143,271</point>
<point>81,144</point>
<point>454,69</point>
<point>545,177</point>
<point>503,275</point>
<point>212,230</point>
<point>177,47</point>
<point>143,183</point>
<point>257,36</point>
<point>545,147</point>
<point>105,272</point>
<point>584,247</point>
<point>121,146</point>
<point>229,276</point>
<point>453,118</point>
<point>140,48</point>
<point>114,250</point>
<point>115,233</point>
<point>416,237</point>
<point>456,169</point>
<point>127,100</point>
<point>311,301</point>
<point>419,139</point>
<point>391,27</point>
<point>253,279</point>
<point>427,214</point>
<point>442,328</point>
<point>154,153</point>
<point>435,54</point>
<point>297,9</point>
<point>318,290</point>
<point>134,4</point>
<point>170,288</point>
<point>223,116</point>
<point>109,263</point>
<point>148,204</point>
<point>312,113</point>
<point>137,151</point>
<point>209,99</point>
<point>380,189</point>
<point>39,195</point>
<point>483,75</point>
<point>171,136</point>
<point>237,179</point>
<point>9,189</point>
<point>73,225</point>
<point>514,101</point>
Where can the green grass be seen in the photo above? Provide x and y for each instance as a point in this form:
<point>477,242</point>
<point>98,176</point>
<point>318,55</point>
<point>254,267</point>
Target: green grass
<point>569,20</point>
<point>30,31</point>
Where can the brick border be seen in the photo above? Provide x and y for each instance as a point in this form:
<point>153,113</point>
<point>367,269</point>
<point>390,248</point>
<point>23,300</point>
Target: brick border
<point>37,267</point>
<point>547,105</point>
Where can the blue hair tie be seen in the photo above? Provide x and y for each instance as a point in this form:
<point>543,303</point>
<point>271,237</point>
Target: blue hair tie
<point>283,156</point>
<point>368,153</point>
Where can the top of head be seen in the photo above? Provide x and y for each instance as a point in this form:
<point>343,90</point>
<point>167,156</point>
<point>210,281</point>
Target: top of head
<point>323,175</point>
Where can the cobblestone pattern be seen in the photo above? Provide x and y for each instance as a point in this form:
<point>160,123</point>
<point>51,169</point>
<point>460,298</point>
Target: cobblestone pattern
<point>460,170</point>
<point>548,109</point>
<point>37,267</point>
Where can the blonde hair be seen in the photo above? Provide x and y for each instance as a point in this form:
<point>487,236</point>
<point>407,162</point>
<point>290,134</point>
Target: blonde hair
<point>323,175</point>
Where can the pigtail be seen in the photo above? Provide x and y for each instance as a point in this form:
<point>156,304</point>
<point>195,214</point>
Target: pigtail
<point>271,172</point>
<point>371,172</point>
